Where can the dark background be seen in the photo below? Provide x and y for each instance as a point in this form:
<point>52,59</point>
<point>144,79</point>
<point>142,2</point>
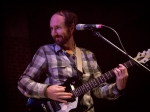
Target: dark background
<point>25,27</point>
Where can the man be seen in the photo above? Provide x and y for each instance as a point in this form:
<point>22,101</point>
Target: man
<point>55,63</point>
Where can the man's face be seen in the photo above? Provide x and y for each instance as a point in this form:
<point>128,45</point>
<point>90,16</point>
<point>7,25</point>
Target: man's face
<point>60,33</point>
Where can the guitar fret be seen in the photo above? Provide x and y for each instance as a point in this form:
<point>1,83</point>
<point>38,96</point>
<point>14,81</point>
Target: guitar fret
<point>87,86</point>
<point>79,91</point>
<point>131,63</point>
<point>90,85</point>
<point>101,78</point>
<point>104,76</point>
<point>97,81</point>
<point>93,83</point>
<point>84,89</point>
<point>75,92</point>
<point>111,73</point>
<point>107,76</point>
<point>125,65</point>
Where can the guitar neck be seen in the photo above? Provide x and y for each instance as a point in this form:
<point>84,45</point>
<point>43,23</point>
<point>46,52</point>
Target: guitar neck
<point>97,81</point>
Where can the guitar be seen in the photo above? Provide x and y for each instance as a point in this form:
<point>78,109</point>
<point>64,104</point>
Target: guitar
<point>75,86</point>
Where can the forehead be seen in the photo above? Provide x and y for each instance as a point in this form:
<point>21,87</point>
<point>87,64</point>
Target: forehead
<point>56,20</point>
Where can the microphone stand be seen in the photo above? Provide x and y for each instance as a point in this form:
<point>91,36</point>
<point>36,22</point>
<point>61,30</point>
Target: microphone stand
<point>96,33</point>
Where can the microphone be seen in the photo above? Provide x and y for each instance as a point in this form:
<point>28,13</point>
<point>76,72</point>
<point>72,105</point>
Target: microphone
<point>88,26</point>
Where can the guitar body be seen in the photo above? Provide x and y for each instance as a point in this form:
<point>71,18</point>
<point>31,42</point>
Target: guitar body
<point>41,105</point>
<point>48,105</point>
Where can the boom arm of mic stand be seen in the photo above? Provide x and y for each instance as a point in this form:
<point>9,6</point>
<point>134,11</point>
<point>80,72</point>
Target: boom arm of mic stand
<point>96,33</point>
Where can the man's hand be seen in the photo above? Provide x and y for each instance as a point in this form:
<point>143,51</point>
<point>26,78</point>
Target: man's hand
<point>58,93</point>
<point>121,76</point>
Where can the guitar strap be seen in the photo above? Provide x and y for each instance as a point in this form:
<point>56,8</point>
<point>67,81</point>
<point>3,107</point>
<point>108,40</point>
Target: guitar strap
<point>79,60</point>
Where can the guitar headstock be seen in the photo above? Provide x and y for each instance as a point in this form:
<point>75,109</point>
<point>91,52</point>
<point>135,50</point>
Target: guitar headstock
<point>143,57</point>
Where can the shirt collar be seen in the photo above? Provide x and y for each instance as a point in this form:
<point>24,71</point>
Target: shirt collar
<point>58,48</point>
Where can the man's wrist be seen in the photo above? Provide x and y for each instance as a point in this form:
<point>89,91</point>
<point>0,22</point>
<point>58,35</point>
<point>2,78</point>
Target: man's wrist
<point>45,91</point>
<point>120,91</point>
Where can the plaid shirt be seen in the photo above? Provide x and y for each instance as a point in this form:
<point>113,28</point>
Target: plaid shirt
<point>50,65</point>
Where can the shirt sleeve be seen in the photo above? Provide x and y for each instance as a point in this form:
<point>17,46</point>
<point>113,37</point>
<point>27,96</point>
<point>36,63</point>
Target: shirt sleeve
<point>104,90</point>
<point>28,82</point>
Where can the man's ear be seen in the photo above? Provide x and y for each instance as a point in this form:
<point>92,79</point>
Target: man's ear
<point>72,28</point>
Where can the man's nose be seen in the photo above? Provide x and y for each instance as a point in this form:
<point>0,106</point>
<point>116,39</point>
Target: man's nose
<point>53,33</point>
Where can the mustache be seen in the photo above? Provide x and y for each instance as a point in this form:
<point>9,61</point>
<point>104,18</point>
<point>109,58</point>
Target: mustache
<point>57,36</point>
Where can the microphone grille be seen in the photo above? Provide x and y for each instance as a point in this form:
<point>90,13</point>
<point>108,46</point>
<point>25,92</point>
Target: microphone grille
<point>80,27</point>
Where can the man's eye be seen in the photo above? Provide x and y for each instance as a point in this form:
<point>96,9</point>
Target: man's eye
<point>58,28</point>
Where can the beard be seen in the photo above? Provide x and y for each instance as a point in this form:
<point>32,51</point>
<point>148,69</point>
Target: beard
<point>62,40</point>
<point>59,40</point>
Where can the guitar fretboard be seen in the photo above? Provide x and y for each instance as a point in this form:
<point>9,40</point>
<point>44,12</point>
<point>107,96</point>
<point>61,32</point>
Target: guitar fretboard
<point>97,81</point>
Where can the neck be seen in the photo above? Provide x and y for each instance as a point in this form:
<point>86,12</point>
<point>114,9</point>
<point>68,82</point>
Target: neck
<point>69,46</point>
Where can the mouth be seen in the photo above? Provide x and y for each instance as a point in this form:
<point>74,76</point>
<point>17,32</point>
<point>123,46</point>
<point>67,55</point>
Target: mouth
<point>58,38</point>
